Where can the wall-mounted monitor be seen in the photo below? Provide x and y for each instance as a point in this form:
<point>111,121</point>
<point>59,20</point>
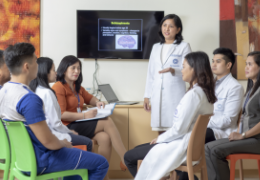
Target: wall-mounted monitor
<point>117,34</point>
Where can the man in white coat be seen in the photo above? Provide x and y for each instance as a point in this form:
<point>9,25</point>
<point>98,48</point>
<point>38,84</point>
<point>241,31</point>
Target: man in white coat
<point>230,98</point>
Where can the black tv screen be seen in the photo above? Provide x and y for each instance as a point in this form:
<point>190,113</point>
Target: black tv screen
<point>117,34</point>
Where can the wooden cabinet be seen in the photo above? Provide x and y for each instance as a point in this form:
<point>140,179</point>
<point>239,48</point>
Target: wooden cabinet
<point>120,118</point>
<point>133,124</point>
<point>140,130</point>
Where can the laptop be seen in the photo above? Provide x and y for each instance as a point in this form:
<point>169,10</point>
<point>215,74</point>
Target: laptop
<point>110,96</point>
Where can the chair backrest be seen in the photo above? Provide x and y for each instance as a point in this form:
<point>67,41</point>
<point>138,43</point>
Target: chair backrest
<point>4,143</point>
<point>23,155</point>
<point>197,138</point>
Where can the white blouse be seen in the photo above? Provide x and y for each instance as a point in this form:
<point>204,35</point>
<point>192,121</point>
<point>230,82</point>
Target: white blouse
<point>53,113</point>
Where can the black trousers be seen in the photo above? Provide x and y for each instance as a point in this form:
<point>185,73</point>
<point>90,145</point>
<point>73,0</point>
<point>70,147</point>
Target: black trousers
<point>209,137</point>
<point>138,153</point>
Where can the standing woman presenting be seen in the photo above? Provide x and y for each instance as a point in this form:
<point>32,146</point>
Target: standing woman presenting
<point>164,85</point>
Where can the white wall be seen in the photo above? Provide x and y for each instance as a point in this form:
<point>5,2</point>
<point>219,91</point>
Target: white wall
<point>127,77</point>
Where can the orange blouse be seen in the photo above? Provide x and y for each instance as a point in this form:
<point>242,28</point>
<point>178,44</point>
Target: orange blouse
<point>68,101</point>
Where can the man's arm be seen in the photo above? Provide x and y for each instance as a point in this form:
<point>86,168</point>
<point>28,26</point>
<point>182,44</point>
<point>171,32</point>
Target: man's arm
<point>48,140</point>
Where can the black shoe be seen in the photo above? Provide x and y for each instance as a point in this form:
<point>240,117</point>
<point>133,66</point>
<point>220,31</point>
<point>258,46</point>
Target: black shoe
<point>184,176</point>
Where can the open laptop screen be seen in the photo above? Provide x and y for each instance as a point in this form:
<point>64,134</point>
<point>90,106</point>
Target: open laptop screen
<point>108,92</point>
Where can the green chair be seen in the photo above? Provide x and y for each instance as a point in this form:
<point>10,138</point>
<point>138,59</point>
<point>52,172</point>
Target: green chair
<point>5,155</point>
<point>23,156</point>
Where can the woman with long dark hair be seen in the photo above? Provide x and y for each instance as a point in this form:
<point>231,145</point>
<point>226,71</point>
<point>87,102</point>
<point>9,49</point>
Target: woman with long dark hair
<point>168,151</point>
<point>40,85</point>
<point>164,85</point>
<point>247,140</point>
<point>71,97</point>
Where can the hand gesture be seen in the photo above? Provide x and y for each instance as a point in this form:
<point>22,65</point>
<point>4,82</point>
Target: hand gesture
<point>90,114</point>
<point>99,104</point>
<point>235,136</point>
<point>169,69</point>
<point>66,143</point>
<point>153,141</point>
<point>147,105</point>
<point>74,132</point>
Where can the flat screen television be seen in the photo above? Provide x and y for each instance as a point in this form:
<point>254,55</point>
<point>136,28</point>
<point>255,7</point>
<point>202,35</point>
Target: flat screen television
<point>117,34</point>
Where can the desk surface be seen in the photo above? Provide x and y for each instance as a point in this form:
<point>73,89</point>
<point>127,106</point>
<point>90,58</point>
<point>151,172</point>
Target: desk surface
<point>139,105</point>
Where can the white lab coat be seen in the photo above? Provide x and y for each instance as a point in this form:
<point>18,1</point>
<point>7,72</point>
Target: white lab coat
<point>165,90</point>
<point>53,113</point>
<point>171,151</point>
<point>230,95</point>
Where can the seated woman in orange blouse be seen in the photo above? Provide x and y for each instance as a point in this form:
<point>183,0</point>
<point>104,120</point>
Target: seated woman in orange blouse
<point>71,97</point>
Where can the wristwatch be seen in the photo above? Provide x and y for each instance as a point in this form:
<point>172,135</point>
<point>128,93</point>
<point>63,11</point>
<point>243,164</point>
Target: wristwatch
<point>244,135</point>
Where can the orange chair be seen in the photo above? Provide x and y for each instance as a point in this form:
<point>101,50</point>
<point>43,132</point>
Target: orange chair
<point>82,147</point>
<point>233,159</point>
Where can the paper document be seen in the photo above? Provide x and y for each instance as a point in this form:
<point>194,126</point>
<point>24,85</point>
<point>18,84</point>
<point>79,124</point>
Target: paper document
<point>101,113</point>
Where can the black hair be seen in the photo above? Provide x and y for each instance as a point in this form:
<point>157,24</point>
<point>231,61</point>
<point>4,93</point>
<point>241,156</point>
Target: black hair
<point>44,67</point>
<point>178,24</point>
<point>199,61</point>
<point>250,83</point>
<point>16,55</point>
<point>2,61</point>
<point>228,55</point>
<point>64,64</point>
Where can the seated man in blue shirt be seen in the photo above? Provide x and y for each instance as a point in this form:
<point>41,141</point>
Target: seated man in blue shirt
<point>19,103</point>
<point>4,72</point>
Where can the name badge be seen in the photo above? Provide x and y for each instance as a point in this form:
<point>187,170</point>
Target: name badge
<point>78,110</point>
<point>176,60</point>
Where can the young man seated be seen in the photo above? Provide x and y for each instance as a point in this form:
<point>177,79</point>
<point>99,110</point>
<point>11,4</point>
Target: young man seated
<point>4,72</point>
<point>230,96</point>
<point>19,103</point>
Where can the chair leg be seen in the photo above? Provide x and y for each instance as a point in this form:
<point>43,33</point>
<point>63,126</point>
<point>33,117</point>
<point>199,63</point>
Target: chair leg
<point>258,162</point>
<point>85,176</point>
<point>6,173</point>
<point>241,174</point>
<point>204,174</point>
<point>190,174</point>
<point>11,176</point>
<point>232,169</point>
<point>173,175</point>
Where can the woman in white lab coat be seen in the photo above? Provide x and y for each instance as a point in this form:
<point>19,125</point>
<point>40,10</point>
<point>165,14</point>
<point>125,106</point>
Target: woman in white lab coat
<point>168,151</point>
<point>40,85</point>
<point>164,84</point>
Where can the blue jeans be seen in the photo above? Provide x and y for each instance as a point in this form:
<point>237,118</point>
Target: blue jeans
<point>81,140</point>
<point>72,158</point>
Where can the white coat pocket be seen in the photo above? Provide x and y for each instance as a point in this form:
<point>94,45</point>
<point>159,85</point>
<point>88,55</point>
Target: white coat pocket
<point>220,105</point>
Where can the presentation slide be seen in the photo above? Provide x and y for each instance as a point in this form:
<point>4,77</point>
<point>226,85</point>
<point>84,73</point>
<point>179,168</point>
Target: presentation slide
<point>120,34</point>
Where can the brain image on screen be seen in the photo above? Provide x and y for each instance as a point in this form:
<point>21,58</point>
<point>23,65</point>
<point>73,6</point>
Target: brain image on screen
<point>127,41</point>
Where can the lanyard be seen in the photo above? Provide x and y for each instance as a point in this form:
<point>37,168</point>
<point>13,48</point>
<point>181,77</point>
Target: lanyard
<point>77,97</point>
<point>246,101</point>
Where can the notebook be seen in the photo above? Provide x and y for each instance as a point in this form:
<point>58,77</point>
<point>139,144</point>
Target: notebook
<point>101,113</point>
